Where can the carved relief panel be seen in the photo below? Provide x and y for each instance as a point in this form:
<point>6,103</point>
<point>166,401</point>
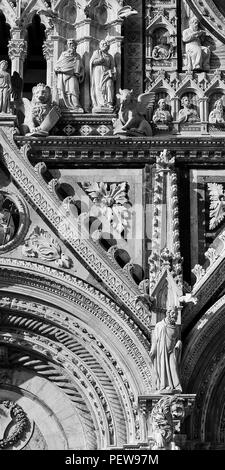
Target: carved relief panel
<point>207,194</point>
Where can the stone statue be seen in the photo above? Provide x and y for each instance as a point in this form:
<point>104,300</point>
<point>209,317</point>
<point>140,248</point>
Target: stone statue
<point>7,227</point>
<point>164,416</point>
<point>40,114</point>
<point>5,87</point>
<point>198,56</point>
<point>187,113</point>
<point>162,115</point>
<point>166,352</point>
<point>103,74</point>
<point>217,115</point>
<point>70,73</point>
<point>131,117</point>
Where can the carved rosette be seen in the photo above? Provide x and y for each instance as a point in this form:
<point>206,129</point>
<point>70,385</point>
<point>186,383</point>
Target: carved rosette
<point>17,48</point>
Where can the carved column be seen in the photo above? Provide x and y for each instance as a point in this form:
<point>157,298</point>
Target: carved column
<point>48,51</point>
<point>17,53</point>
<point>115,50</point>
<point>86,45</point>
<point>165,258</point>
<point>203,108</point>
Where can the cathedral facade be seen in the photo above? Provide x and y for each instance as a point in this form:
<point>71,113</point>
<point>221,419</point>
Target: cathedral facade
<point>112,210</point>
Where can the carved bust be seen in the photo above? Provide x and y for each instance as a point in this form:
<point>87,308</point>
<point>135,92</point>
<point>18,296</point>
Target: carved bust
<point>217,114</point>
<point>187,113</point>
<point>162,115</point>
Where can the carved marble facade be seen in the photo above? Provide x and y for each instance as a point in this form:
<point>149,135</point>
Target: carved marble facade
<point>112,221</point>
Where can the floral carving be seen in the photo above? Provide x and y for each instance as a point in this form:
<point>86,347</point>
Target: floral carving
<point>217,204</point>
<point>40,244</point>
<point>17,48</point>
<point>112,201</point>
<point>12,414</point>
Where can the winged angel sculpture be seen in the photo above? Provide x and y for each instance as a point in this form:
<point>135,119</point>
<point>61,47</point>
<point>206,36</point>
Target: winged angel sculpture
<point>134,114</point>
<point>217,204</point>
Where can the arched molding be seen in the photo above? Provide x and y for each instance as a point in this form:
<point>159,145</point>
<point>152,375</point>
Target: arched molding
<point>9,11</point>
<point>203,373</point>
<point>47,310</point>
<point>89,367</point>
<point>96,309</point>
<point>64,423</point>
<point>201,337</point>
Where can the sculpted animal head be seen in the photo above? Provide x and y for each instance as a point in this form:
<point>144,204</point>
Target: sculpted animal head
<point>41,93</point>
<point>126,97</point>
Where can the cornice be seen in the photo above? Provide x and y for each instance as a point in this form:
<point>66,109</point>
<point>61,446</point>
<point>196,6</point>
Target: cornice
<point>113,150</point>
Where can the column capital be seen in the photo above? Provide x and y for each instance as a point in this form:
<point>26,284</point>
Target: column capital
<point>17,49</point>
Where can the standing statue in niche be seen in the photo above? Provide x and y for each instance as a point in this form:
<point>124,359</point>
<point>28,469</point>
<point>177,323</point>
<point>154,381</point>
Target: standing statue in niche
<point>198,56</point>
<point>70,73</point>
<point>103,74</point>
<point>166,353</point>
<point>162,115</point>
<point>7,227</point>
<point>187,113</point>
<point>217,115</point>
<point>5,87</point>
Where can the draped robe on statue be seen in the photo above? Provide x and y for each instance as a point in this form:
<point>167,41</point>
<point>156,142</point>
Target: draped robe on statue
<point>70,73</point>
<point>102,68</point>
<point>166,350</point>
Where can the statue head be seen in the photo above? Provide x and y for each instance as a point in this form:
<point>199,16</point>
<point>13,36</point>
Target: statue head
<point>71,45</point>
<point>171,315</point>
<point>126,97</point>
<point>162,103</point>
<point>41,93</point>
<point>104,45</point>
<point>177,409</point>
<point>3,65</point>
<point>185,102</point>
<point>219,104</point>
<point>193,23</point>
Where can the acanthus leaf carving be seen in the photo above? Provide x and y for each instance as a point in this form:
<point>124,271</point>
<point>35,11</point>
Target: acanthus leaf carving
<point>17,48</point>
<point>217,204</point>
<point>40,244</point>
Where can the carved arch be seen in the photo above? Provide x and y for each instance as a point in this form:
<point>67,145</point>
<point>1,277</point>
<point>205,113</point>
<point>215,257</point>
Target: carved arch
<point>203,373</point>
<point>8,11</point>
<point>78,332</point>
